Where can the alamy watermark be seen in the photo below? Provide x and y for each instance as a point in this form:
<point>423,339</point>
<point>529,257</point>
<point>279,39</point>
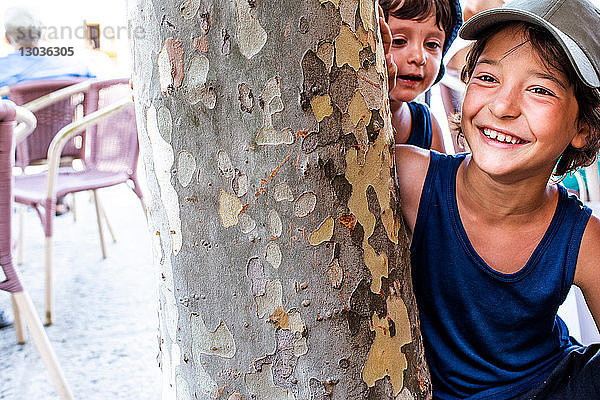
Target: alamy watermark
<point>66,32</point>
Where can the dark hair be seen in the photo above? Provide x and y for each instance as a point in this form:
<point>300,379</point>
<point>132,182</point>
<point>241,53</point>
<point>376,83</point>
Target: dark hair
<point>552,54</point>
<point>420,10</point>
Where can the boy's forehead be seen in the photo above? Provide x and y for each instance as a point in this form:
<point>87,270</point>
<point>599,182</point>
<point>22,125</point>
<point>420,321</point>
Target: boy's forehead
<point>427,25</point>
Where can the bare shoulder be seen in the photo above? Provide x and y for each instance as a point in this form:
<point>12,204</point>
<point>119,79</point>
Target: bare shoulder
<point>587,272</point>
<point>411,169</point>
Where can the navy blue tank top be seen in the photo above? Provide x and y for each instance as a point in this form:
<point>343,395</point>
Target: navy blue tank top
<point>421,130</point>
<point>489,335</point>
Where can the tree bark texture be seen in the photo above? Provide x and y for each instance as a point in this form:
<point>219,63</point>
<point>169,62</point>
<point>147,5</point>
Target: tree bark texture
<point>266,136</point>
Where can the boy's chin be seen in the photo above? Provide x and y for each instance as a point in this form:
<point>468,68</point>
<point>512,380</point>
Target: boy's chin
<point>403,95</point>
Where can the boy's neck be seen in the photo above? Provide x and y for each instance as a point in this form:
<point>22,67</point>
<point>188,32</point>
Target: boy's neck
<point>401,121</point>
<point>497,200</point>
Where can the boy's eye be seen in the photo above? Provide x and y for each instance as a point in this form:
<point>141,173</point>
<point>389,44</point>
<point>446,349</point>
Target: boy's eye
<point>399,42</point>
<point>433,45</point>
<point>485,78</point>
<point>542,91</point>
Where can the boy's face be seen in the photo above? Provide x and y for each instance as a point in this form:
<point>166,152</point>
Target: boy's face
<point>518,116</point>
<point>417,52</point>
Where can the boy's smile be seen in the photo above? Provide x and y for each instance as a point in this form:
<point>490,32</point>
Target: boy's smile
<point>518,115</point>
<point>417,52</point>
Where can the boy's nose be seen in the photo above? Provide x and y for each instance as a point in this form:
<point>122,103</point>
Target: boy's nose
<point>417,56</point>
<point>505,104</point>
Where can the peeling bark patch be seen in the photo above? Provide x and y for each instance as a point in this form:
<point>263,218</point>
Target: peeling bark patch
<point>271,104</point>
<point>303,25</point>
<point>366,14</point>
<point>378,174</point>
<point>335,274</point>
<point>348,11</point>
<point>163,156</point>
<point>385,357</point>
<point>370,87</point>
<point>282,191</point>
<point>165,123</point>
<point>316,79</point>
<point>342,189</point>
<point>189,8</point>
<point>275,225</point>
<point>305,204</point>
<point>230,208</point>
<point>343,86</point>
<point>347,48</point>
<point>208,97</point>
<point>256,274</point>
<point>273,254</point>
<point>226,46</point>
<point>224,164</point>
<point>246,98</point>
<point>323,233</point>
<point>321,106</point>
<point>261,385</point>
<point>272,299</point>
<point>186,166</point>
<point>251,36</point>
<point>375,126</point>
<point>204,22</point>
<point>201,44</point>
<point>196,78</point>
<point>326,53</point>
<point>358,110</point>
<point>240,184</point>
<point>336,3</point>
<point>330,128</point>
<point>216,343</point>
<point>170,65</point>
<point>246,223</point>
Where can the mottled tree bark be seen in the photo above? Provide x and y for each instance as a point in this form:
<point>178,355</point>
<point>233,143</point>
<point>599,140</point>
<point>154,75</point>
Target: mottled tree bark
<point>266,136</point>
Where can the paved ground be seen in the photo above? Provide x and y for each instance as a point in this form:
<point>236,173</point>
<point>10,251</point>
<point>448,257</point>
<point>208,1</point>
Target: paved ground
<point>105,325</point>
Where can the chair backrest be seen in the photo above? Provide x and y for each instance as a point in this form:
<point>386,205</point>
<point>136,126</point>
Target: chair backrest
<point>112,144</point>
<point>7,125</point>
<point>50,119</point>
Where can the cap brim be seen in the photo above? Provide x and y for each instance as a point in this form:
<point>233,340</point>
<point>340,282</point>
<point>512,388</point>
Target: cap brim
<point>477,25</point>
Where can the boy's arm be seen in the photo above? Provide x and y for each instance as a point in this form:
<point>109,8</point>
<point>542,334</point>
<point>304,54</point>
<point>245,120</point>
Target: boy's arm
<point>411,169</point>
<point>437,139</point>
<point>587,272</point>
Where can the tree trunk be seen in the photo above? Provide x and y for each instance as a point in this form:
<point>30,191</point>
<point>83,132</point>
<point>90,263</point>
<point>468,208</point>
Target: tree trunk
<point>266,137</point>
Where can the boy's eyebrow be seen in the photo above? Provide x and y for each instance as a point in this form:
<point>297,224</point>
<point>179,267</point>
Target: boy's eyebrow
<point>534,73</point>
<point>551,78</point>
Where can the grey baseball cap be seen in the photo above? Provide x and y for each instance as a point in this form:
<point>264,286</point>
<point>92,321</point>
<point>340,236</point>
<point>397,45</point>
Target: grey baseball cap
<point>574,23</point>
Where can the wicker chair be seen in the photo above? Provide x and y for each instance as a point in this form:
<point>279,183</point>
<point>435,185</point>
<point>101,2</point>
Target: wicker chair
<point>22,305</point>
<point>51,119</point>
<point>110,159</point>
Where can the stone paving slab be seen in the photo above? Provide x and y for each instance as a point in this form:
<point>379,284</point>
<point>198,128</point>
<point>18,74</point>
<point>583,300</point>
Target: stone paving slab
<point>105,317</point>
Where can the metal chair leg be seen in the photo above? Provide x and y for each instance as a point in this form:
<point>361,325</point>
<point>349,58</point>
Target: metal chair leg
<point>48,282</point>
<point>73,207</point>
<point>21,339</point>
<point>42,343</point>
<point>108,225</point>
<point>99,219</point>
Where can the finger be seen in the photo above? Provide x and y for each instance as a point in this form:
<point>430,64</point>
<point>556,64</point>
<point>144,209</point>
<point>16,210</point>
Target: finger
<point>392,71</point>
<point>381,13</point>
<point>386,35</point>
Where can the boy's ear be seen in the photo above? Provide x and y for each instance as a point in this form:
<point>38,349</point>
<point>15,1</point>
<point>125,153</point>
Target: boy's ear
<point>581,138</point>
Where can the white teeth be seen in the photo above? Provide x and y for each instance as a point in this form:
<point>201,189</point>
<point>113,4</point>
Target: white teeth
<point>501,137</point>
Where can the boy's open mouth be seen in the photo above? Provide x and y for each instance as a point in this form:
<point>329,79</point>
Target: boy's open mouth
<point>414,78</point>
<point>501,137</point>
